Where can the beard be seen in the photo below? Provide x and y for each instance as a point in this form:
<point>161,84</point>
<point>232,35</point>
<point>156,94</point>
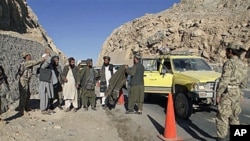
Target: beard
<point>228,56</point>
<point>72,66</point>
<point>105,64</point>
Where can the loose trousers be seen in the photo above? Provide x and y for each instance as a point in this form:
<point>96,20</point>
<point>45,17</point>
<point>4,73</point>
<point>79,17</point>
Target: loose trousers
<point>228,111</point>
<point>136,96</point>
<point>24,91</point>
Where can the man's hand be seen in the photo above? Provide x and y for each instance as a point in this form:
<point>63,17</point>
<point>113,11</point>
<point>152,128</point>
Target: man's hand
<point>126,66</point>
<point>45,56</point>
<point>77,86</point>
<point>65,80</point>
<point>242,98</point>
<point>218,99</point>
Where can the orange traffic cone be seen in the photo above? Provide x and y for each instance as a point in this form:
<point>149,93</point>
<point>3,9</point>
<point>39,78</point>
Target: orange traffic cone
<point>121,98</point>
<point>170,127</point>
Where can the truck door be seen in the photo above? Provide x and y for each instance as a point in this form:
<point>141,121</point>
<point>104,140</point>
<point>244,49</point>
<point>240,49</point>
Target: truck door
<point>155,81</point>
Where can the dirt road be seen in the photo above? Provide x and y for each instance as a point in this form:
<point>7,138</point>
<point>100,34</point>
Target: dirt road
<point>106,125</point>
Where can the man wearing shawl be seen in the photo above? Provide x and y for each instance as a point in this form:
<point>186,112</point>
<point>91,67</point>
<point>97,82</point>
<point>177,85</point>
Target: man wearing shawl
<point>87,81</point>
<point>46,90</point>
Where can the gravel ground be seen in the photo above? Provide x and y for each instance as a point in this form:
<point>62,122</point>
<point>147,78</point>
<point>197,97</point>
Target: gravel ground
<point>107,125</point>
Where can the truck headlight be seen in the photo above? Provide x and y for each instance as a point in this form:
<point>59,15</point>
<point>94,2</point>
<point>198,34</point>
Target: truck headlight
<point>198,86</point>
<point>195,86</point>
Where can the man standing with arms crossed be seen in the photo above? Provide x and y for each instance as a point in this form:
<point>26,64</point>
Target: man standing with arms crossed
<point>233,79</point>
<point>136,94</point>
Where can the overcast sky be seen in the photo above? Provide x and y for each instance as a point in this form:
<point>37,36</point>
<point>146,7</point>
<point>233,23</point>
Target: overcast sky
<point>80,27</point>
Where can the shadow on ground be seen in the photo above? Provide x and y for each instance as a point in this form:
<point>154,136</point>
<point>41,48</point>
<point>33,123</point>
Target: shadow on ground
<point>191,128</point>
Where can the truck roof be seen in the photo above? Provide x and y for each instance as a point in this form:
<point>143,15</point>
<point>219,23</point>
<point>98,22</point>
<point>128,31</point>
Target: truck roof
<point>173,54</point>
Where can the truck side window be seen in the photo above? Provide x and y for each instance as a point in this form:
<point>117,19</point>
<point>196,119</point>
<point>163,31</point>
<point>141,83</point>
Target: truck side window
<point>167,64</point>
<point>158,64</point>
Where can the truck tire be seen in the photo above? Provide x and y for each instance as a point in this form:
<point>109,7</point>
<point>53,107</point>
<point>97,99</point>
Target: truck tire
<point>183,106</point>
<point>147,97</point>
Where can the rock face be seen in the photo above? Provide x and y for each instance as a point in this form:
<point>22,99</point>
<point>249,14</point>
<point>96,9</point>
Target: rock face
<point>19,32</point>
<point>201,26</point>
<point>17,19</point>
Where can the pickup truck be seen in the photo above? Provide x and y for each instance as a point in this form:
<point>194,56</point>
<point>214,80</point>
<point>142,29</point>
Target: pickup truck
<point>189,78</point>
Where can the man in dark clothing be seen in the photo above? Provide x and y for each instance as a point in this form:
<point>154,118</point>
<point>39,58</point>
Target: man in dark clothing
<point>58,86</point>
<point>87,82</point>
<point>136,93</point>
<point>106,73</point>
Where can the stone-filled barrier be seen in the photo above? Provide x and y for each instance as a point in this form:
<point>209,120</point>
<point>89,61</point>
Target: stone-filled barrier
<point>11,49</point>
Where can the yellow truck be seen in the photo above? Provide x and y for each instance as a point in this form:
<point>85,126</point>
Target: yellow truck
<point>189,78</point>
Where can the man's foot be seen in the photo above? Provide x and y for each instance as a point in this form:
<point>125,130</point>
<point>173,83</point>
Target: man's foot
<point>51,107</point>
<point>85,108</point>
<point>139,112</point>
<point>29,109</point>
<point>74,110</point>
<point>2,121</point>
<point>26,113</point>
<point>93,108</point>
<point>45,112</point>
<point>221,139</point>
<point>67,110</point>
<point>60,107</point>
<point>21,113</point>
<point>130,112</point>
<point>104,106</point>
<point>51,111</point>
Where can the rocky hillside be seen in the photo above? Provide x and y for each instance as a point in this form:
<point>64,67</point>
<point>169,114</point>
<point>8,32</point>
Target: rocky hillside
<point>201,26</point>
<point>20,31</point>
<point>17,19</point>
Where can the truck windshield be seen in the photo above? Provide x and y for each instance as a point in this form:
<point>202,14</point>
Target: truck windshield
<point>191,64</point>
<point>150,64</point>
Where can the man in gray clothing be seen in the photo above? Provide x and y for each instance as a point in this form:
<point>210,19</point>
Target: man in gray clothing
<point>46,90</point>
<point>136,93</point>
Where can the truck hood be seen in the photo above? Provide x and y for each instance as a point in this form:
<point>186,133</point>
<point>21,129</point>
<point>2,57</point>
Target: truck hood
<point>202,76</point>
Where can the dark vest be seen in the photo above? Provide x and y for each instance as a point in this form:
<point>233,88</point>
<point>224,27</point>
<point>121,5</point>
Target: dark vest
<point>137,79</point>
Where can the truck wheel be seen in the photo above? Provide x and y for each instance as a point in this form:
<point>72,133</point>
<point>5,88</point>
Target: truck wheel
<point>147,97</point>
<point>183,106</point>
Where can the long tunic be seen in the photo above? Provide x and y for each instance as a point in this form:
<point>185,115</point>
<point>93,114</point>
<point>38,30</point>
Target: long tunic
<point>47,87</point>
<point>46,90</point>
<point>69,88</point>
<point>107,77</point>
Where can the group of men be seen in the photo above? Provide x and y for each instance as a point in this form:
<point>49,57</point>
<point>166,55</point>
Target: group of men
<point>71,83</point>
